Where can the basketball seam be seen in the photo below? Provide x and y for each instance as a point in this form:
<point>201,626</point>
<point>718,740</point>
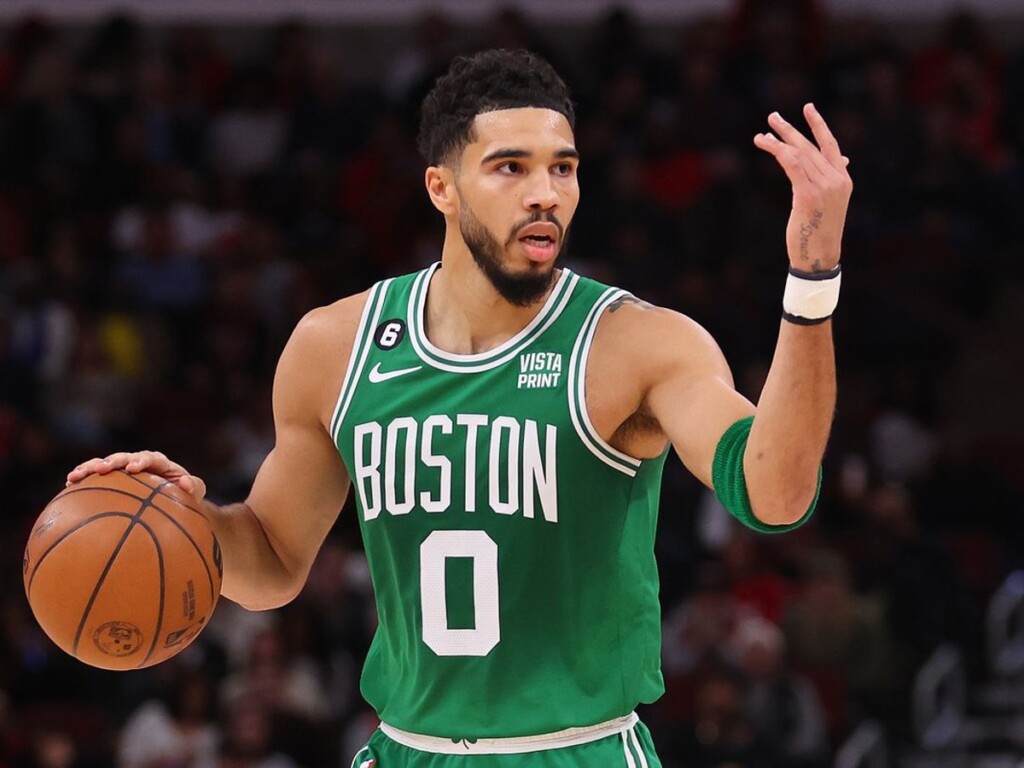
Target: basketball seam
<point>105,488</point>
<point>67,533</point>
<point>163,588</point>
<point>161,492</point>
<point>110,562</point>
<point>181,504</point>
<point>130,495</point>
<point>192,541</point>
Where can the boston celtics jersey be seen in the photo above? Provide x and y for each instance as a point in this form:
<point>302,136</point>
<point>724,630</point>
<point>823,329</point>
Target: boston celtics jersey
<point>511,548</point>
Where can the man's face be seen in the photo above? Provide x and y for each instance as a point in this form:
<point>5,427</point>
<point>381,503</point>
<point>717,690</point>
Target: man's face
<point>518,192</point>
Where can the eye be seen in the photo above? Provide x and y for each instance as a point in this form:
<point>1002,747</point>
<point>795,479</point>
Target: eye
<point>565,169</point>
<point>511,167</point>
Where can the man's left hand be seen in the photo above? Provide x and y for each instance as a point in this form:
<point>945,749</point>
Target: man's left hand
<point>821,189</point>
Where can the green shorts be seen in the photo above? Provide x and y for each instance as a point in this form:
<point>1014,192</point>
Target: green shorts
<point>631,748</point>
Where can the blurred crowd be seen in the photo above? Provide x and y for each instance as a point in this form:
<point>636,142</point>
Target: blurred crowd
<point>171,204</point>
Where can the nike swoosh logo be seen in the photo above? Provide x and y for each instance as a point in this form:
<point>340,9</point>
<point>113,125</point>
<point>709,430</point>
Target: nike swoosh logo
<point>377,375</point>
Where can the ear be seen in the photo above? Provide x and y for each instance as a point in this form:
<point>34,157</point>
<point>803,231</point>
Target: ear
<point>440,183</point>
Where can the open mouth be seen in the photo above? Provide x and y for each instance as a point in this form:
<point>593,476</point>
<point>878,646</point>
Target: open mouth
<point>539,240</point>
<point>539,248</point>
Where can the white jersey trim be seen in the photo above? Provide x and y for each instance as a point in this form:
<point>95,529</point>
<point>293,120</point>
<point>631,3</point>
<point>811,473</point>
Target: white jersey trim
<point>569,737</point>
<point>435,357</point>
<point>355,370</point>
<point>590,437</point>
<point>361,751</point>
<point>630,762</point>
<point>639,749</point>
<point>357,344</point>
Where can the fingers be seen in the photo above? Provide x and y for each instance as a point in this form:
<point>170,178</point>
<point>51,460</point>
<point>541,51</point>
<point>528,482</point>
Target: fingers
<point>824,159</point>
<point>194,485</point>
<point>785,155</point>
<point>788,132</point>
<point>98,466</point>
<point>823,135</point>
<point>152,461</point>
<point>809,153</point>
<point>140,461</point>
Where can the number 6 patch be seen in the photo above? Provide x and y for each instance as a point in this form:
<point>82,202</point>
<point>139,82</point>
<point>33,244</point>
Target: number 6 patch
<point>389,334</point>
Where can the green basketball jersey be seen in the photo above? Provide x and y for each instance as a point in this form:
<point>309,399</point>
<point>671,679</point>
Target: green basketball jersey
<point>511,548</point>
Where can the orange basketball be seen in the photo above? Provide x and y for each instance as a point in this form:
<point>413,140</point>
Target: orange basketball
<point>122,570</point>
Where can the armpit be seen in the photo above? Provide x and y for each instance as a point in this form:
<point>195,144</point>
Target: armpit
<point>640,435</point>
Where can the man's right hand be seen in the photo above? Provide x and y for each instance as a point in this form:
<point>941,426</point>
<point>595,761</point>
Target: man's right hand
<point>141,461</point>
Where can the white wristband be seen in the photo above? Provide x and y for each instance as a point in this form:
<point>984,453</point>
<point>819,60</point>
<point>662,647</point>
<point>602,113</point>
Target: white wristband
<point>811,297</point>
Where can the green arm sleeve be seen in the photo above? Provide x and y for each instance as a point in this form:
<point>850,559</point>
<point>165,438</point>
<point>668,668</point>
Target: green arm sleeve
<point>731,485</point>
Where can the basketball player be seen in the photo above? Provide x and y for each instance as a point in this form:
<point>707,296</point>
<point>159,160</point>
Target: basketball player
<point>504,423</point>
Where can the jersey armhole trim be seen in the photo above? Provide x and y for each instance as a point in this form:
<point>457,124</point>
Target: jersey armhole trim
<point>596,444</point>
<point>360,350</point>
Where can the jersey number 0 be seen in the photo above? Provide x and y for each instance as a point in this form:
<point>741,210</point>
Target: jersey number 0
<point>434,552</point>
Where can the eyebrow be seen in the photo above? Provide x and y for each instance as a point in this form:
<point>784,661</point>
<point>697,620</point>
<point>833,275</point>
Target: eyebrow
<point>518,154</point>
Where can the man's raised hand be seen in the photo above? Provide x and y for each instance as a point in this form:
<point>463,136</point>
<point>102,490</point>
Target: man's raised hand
<point>821,189</point>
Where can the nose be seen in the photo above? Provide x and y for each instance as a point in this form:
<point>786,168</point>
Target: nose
<point>541,194</point>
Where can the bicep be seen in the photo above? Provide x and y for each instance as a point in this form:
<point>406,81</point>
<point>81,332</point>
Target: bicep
<point>301,486</point>
<point>692,396</point>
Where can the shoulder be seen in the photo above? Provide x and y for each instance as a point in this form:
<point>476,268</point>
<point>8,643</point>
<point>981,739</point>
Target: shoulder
<point>639,352</point>
<point>315,359</point>
<point>334,327</point>
<point>327,326</point>
<point>654,340</point>
<point>629,314</point>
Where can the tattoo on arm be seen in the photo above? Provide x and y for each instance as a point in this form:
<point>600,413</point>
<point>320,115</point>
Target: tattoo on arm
<point>627,299</point>
<point>806,230</point>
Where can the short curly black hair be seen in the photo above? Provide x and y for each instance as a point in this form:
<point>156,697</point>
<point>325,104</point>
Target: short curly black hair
<point>484,82</point>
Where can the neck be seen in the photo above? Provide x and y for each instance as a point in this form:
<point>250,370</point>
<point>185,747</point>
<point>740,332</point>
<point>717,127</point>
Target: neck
<point>465,315</point>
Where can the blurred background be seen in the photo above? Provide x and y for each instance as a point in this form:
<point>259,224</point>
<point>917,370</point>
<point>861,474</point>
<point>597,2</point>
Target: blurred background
<point>181,181</point>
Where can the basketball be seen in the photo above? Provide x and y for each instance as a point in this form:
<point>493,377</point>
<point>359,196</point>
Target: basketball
<point>122,570</point>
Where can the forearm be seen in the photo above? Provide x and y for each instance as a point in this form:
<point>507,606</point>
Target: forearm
<point>792,424</point>
<point>794,413</point>
<point>255,575</point>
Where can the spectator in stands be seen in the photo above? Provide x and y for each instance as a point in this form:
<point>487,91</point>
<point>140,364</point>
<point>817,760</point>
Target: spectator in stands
<point>279,681</point>
<point>414,68</point>
<point>753,581</point>
<point>722,735</point>
<point>925,598</point>
<point>839,638</point>
<point>52,747</point>
<point>158,275</point>
<point>248,137</point>
<point>698,634</point>
<point>178,730</point>
<point>94,401</point>
<point>339,592</point>
<point>782,705</point>
<point>248,735</point>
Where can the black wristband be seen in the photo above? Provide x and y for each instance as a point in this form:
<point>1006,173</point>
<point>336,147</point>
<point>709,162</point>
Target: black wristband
<point>797,320</point>
<point>828,274</point>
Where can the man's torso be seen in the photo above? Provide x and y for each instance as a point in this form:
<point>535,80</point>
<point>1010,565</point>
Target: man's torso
<point>510,545</point>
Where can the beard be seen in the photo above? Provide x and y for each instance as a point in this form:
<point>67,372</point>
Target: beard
<point>520,289</point>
